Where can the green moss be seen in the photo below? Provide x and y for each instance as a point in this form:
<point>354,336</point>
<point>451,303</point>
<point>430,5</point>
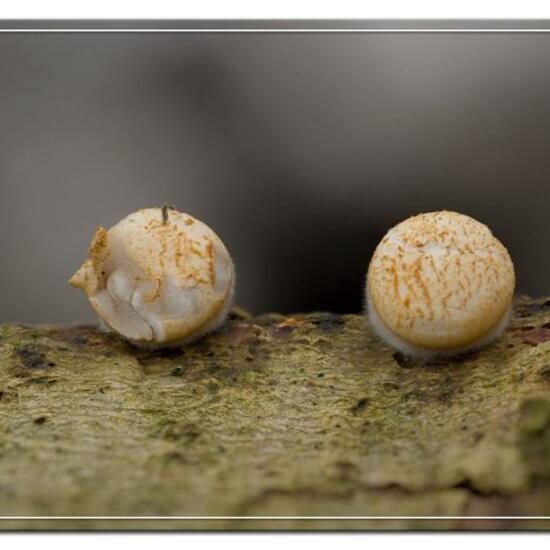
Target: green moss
<point>275,415</point>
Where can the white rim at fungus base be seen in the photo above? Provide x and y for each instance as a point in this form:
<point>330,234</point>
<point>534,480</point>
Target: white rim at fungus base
<point>425,353</point>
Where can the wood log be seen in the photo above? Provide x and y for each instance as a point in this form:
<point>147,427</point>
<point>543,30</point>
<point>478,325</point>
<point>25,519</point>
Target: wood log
<point>302,421</point>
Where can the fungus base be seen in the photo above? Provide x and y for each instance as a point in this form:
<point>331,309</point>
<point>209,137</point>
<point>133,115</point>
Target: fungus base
<point>424,353</point>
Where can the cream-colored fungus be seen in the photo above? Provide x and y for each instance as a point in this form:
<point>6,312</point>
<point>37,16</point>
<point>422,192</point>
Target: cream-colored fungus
<point>159,277</point>
<point>439,284</point>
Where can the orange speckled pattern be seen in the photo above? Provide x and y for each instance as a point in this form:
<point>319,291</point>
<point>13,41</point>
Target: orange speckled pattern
<point>181,249</point>
<point>158,277</point>
<point>440,280</point>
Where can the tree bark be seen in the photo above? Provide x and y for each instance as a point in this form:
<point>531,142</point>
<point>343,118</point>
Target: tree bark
<point>303,415</point>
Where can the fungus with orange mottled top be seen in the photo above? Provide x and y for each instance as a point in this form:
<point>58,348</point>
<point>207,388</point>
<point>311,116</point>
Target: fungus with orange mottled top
<point>159,278</point>
<point>439,284</point>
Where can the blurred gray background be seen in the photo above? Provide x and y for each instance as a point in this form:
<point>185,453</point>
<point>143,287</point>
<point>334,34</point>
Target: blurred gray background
<point>299,150</point>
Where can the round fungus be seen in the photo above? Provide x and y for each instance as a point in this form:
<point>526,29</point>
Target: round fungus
<point>439,284</point>
<point>160,278</point>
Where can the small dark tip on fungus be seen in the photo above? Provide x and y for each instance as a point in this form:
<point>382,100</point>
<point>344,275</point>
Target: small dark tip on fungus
<point>165,209</point>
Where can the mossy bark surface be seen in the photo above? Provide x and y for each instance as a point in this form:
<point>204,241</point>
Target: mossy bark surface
<point>303,415</point>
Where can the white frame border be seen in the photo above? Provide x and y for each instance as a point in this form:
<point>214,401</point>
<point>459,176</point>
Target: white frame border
<point>272,31</point>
